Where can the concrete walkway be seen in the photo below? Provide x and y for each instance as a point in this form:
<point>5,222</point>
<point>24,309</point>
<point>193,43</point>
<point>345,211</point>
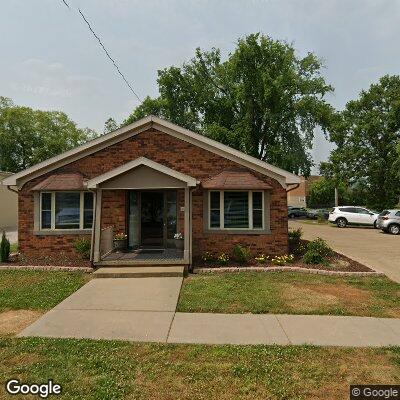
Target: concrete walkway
<point>127,309</point>
<point>143,310</point>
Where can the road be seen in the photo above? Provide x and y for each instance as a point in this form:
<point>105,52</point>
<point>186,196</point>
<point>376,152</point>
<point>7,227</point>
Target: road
<point>368,246</point>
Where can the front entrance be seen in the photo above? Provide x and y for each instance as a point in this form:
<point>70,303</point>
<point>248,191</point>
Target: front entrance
<point>152,218</point>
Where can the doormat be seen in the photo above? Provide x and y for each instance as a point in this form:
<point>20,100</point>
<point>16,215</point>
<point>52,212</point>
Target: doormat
<point>150,251</point>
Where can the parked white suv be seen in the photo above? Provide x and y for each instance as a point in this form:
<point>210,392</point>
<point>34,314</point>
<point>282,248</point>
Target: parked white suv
<point>350,215</point>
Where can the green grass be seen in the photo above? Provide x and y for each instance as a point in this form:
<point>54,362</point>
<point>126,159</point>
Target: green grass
<point>37,290</point>
<point>291,293</point>
<point>120,370</point>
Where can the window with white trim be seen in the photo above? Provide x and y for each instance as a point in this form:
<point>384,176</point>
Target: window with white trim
<point>235,209</point>
<point>66,210</point>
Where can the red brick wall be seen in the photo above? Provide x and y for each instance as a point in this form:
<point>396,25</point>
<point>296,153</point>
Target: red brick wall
<point>113,210</point>
<point>173,153</point>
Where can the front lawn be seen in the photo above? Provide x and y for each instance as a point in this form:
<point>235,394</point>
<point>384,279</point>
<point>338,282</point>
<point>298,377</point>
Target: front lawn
<point>290,293</point>
<point>37,290</point>
<point>120,370</point>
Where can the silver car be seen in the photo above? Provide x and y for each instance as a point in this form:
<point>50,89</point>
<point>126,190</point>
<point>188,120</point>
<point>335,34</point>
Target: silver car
<point>389,221</point>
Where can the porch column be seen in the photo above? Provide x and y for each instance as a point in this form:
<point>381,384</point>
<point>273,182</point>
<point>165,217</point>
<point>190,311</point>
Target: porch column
<point>97,226</point>
<point>186,251</point>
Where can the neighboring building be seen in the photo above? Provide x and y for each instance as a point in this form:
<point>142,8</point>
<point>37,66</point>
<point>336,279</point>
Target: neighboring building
<point>298,197</point>
<point>152,180</point>
<point>8,205</point>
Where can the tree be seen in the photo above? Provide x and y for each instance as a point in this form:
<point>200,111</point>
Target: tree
<point>110,125</point>
<point>263,100</point>
<point>322,193</point>
<point>366,133</point>
<point>29,136</point>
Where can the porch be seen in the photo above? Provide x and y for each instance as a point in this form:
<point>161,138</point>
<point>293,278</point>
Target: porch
<point>143,257</point>
<point>146,204</point>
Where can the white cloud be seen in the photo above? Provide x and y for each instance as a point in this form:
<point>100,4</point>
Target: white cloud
<point>52,78</point>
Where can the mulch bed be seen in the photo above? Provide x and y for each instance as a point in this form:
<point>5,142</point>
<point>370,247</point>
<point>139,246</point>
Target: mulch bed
<point>337,262</point>
<point>17,261</point>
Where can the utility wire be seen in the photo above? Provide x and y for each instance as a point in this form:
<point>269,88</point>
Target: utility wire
<point>106,51</point>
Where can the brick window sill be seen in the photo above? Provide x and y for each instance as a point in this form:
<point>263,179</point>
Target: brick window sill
<point>63,232</point>
<point>239,231</point>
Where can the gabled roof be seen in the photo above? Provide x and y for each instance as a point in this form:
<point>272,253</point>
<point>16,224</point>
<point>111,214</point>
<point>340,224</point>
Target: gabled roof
<point>62,182</point>
<point>235,180</point>
<point>143,124</point>
<point>93,183</point>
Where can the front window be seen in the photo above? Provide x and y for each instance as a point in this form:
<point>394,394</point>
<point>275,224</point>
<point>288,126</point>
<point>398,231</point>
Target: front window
<point>236,210</point>
<point>66,210</point>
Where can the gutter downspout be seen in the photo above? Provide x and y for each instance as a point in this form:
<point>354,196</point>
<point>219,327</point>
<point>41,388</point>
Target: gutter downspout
<point>296,185</point>
<point>12,190</point>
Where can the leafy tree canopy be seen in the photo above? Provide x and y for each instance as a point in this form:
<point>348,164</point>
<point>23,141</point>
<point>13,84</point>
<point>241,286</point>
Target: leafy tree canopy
<point>263,100</point>
<point>29,136</point>
<point>366,134</point>
<point>110,125</point>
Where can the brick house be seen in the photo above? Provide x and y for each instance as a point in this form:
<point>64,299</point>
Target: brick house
<point>152,180</point>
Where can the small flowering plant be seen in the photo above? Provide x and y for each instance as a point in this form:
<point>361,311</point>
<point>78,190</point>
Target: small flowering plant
<point>208,256</point>
<point>178,236</point>
<point>120,236</point>
<point>262,259</point>
<point>223,259</point>
<point>283,260</point>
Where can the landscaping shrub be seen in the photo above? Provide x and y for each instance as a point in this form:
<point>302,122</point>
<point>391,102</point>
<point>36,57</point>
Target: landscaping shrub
<point>4,248</point>
<point>311,257</point>
<point>295,245</point>
<point>242,254</point>
<point>82,246</point>
<point>319,246</point>
<point>316,252</point>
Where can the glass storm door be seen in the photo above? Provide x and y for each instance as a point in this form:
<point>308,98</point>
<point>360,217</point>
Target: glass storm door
<point>152,219</point>
<point>133,220</point>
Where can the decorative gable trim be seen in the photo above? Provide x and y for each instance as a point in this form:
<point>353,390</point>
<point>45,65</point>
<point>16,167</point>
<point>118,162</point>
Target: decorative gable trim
<point>284,177</point>
<point>95,182</point>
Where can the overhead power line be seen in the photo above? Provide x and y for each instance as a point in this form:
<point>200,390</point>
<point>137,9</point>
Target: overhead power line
<point>105,51</point>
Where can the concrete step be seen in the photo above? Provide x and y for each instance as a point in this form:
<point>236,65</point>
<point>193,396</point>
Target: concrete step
<point>139,272</point>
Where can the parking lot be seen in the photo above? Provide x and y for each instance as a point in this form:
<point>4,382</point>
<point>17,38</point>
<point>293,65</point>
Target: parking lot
<point>369,246</point>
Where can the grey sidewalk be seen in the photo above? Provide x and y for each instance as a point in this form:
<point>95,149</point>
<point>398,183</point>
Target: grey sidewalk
<point>167,327</point>
<point>143,310</point>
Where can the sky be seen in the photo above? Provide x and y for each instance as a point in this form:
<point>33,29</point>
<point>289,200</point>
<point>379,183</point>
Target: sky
<point>51,61</point>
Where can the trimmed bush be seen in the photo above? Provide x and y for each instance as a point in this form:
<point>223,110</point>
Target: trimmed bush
<point>4,248</point>
<point>311,257</point>
<point>316,252</point>
<point>295,245</point>
<point>319,246</point>
<point>82,246</point>
<point>242,254</point>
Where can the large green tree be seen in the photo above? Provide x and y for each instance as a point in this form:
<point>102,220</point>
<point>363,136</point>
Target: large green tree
<point>366,133</point>
<point>29,136</point>
<point>263,99</point>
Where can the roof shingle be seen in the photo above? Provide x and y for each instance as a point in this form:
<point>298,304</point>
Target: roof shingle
<point>235,180</point>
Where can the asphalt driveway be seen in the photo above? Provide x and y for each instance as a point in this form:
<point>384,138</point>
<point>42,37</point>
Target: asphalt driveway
<point>368,246</point>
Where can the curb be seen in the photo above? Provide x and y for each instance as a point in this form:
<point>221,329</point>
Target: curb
<point>44,268</point>
<point>285,269</point>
